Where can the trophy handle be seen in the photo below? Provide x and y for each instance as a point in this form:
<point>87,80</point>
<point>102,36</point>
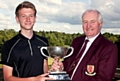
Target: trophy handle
<point>72,49</point>
<point>41,49</point>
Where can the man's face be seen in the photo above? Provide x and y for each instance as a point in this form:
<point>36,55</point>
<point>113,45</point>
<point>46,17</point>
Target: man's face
<point>26,18</point>
<point>91,25</point>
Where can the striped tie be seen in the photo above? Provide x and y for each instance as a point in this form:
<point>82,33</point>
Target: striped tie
<point>77,59</point>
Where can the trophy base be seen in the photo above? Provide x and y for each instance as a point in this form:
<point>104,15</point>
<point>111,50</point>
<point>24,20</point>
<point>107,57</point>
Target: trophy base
<point>59,76</point>
<point>57,72</point>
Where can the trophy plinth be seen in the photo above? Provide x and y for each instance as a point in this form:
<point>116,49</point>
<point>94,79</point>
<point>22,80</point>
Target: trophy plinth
<point>58,52</point>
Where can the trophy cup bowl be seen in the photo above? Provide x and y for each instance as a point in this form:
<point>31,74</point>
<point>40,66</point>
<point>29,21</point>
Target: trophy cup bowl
<point>58,52</point>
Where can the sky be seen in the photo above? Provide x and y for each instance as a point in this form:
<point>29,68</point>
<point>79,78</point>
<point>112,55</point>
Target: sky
<point>63,15</point>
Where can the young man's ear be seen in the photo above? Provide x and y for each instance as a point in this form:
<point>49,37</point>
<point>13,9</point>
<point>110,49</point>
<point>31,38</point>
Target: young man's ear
<point>35,18</point>
<point>17,19</point>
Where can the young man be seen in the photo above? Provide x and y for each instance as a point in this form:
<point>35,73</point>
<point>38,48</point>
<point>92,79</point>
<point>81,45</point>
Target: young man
<point>98,62</point>
<point>21,56</point>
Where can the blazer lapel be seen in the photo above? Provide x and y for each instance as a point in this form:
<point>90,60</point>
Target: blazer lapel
<point>87,57</point>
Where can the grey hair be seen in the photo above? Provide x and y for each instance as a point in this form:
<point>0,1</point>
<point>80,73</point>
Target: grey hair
<point>100,19</point>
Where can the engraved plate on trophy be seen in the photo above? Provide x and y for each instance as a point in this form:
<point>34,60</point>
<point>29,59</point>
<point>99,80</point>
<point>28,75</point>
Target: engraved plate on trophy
<point>58,52</point>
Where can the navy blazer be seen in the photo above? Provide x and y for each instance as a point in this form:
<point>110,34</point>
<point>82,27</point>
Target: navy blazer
<point>102,54</point>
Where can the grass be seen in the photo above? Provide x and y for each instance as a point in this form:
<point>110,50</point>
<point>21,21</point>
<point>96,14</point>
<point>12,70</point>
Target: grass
<point>50,60</point>
<point>0,65</point>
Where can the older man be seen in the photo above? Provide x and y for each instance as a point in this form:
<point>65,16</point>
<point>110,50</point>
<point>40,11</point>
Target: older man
<point>94,57</point>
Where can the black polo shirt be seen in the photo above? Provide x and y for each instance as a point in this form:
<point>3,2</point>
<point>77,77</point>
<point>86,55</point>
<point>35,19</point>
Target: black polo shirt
<point>24,56</point>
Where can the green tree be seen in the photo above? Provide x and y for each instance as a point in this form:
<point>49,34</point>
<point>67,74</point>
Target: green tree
<point>113,39</point>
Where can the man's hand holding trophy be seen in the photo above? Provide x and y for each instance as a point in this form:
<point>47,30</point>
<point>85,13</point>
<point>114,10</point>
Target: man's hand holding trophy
<point>57,53</point>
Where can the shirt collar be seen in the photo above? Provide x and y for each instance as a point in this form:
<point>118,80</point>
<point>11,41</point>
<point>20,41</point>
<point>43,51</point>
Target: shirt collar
<point>24,38</point>
<point>92,39</point>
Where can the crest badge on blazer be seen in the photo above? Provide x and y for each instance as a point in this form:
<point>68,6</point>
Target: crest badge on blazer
<point>90,70</point>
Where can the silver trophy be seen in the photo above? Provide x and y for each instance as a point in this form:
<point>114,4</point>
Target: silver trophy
<point>58,52</point>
